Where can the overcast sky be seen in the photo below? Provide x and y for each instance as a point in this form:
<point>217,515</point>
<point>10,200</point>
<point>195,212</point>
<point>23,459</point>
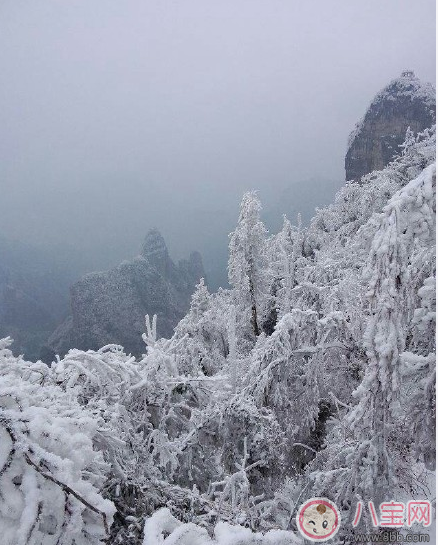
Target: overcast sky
<point>120,115</point>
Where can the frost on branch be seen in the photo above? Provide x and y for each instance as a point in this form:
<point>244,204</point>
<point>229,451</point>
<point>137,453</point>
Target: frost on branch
<point>247,262</point>
<point>50,475</point>
<point>406,221</point>
<point>367,457</point>
<point>419,370</point>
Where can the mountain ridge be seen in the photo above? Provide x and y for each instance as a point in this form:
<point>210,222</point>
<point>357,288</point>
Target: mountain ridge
<point>109,307</point>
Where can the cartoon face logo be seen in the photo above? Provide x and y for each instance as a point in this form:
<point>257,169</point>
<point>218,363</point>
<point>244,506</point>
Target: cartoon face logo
<point>318,519</point>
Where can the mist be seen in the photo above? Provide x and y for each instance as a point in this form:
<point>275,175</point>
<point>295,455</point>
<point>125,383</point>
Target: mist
<point>120,116</point>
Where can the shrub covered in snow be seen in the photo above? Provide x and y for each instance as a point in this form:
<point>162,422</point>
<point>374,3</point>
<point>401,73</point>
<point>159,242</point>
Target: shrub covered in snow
<point>50,475</point>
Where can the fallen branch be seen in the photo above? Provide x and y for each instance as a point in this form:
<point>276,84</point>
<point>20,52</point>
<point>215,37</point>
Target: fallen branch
<point>305,446</point>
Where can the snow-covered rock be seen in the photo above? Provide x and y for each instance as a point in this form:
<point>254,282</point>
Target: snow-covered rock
<point>376,139</point>
<point>109,307</point>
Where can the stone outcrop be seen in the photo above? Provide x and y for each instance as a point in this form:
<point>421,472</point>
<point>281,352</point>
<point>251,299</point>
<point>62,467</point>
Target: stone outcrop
<point>376,139</point>
<point>109,307</point>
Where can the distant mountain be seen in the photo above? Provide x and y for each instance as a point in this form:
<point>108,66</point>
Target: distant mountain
<point>376,139</point>
<point>34,284</point>
<point>109,307</point>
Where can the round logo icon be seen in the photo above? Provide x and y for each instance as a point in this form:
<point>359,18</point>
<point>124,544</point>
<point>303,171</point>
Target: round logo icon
<point>318,519</point>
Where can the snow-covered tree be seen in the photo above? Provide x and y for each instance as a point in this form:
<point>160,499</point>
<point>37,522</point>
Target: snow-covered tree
<point>285,255</point>
<point>408,142</point>
<point>406,221</point>
<point>366,457</point>
<point>247,265</point>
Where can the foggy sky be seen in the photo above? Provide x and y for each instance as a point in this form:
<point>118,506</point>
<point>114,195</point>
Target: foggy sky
<point>120,115</point>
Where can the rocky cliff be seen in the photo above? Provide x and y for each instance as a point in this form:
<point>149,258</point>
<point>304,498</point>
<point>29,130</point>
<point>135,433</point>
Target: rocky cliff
<point>109,307</point>
<point>405,102</point>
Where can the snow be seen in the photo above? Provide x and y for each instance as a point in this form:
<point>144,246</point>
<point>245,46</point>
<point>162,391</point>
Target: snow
<point>408,85</point>
<point>163,528</point>
<point>233,426</point>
